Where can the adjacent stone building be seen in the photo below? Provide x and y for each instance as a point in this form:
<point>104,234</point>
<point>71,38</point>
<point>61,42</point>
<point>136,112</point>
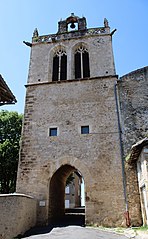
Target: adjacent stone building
<point>79,116</point>
<point>133,101</point>
<point>142,166</point>
<point>133,98</point>
<point>137,168</point>
<point>73,192</point>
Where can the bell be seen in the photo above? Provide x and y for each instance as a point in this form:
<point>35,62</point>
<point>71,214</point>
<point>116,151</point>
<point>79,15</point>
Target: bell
<point>72,25</point>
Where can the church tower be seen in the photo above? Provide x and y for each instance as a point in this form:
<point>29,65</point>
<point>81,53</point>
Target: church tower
<point>70,123</point>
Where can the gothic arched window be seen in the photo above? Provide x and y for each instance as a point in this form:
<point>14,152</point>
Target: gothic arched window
<point>82,63</point>
<point>59,65</point>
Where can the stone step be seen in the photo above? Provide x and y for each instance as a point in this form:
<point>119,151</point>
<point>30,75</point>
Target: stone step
<point>77,210</point>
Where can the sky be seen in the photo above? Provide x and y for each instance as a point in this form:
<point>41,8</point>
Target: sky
<point>19,18</point>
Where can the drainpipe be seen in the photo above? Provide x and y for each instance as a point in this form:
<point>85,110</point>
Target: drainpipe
<point>126,214</point>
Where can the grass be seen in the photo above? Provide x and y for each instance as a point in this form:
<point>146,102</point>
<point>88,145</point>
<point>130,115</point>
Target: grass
<point>122,229</point>
<point>143,228</point>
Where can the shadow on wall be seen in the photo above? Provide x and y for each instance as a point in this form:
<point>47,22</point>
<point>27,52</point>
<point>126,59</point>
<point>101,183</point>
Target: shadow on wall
<point>19,214</point>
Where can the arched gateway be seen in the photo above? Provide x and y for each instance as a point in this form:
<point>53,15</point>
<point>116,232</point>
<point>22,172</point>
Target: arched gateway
<point>70,123</point>
<point>57,191</point>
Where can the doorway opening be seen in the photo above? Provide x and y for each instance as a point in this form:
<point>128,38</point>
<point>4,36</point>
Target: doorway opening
<point>66,197</point>
<point>144,206</point>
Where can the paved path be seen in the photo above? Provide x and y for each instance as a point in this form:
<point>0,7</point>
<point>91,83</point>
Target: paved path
<point>77,232</point>
<point>72,227</point>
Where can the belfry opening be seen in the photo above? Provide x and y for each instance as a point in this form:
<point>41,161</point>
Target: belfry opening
<point>66,196</point>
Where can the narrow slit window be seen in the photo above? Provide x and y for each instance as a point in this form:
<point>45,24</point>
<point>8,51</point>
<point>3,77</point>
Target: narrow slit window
<point>63,72</point>
<point>85,129</point>
<point>77,65</point>
<point>55,68</point>
<point>86,72</point>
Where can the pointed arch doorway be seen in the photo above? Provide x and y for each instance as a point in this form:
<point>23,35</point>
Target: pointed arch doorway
<point>58,213</point>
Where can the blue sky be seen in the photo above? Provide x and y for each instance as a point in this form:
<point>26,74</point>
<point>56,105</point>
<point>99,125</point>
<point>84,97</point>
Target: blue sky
<point>18,19</point>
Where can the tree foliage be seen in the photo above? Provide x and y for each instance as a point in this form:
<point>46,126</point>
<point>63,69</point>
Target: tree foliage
<point>70,179</point>
<point>10,132</point>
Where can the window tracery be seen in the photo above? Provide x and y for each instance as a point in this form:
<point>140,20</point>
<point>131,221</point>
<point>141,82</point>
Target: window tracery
<point>82,62</point>
<point>59,65</point>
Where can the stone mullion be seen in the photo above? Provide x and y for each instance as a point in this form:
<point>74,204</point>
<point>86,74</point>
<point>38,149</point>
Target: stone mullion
<point>81,64</point>
<point>59,67</point>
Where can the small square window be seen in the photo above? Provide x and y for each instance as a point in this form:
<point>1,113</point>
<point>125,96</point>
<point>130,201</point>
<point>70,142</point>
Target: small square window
<point>85,129</point>
<point>53,132</point>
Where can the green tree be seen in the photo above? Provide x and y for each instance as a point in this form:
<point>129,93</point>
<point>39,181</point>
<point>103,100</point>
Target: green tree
<point>70,179</point>
<point>10,132</point>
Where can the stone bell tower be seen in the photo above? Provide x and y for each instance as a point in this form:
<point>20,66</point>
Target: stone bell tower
<point>70,123</point>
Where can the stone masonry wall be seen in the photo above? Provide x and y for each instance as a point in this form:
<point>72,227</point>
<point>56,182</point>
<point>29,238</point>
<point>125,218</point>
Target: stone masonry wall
<point>68,106</point>
<point>18,214</point>
<point>100,57</point>
<point>133,195</point>
<point>133,98</point>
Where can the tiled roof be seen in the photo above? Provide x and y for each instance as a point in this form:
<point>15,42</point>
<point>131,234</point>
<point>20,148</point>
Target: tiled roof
<point>136,150</point>
<point>6,96</point>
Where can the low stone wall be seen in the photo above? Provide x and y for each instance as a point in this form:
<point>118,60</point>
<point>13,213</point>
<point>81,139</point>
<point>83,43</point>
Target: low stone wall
<point>17,214</point>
